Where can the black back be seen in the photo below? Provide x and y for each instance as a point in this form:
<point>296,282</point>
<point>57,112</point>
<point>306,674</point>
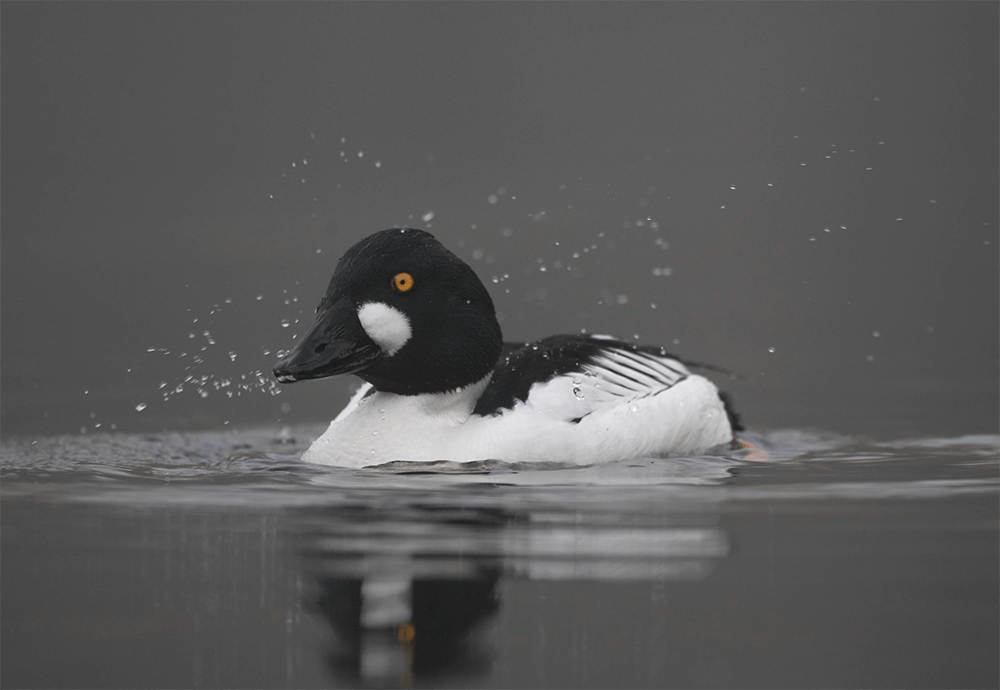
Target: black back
<point>521,365</point>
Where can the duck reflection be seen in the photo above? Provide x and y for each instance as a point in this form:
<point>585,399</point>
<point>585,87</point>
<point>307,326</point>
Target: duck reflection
<point>404,591</point>
<point>380,622</point>
<point>411,593</point>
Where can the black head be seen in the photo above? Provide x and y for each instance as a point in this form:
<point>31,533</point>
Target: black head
<point>403,313</point>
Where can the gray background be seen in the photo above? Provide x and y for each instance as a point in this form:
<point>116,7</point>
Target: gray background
<point>822,178</point>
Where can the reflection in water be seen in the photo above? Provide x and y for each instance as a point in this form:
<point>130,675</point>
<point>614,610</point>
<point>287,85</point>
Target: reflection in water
<point>403,591</point>
<point>411,593</point>
<point>391,626</point>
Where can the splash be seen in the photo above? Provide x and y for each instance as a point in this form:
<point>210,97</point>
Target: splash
<point>208,364</point>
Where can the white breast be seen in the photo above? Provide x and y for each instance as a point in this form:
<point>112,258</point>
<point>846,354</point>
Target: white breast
<point>382,427</point>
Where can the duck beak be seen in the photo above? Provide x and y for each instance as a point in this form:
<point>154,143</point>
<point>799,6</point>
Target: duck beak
<point>336,344</point>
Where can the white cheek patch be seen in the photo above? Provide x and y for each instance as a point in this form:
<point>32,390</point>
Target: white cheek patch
<point>387,326</point>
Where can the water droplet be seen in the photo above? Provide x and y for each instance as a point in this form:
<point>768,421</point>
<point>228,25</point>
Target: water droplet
<point>770,349</point>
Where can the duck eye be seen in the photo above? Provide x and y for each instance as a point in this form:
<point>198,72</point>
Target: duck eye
<point>402,282</point>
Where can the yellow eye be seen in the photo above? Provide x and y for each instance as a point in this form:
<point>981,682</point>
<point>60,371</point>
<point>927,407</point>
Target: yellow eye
<point>402,282</point>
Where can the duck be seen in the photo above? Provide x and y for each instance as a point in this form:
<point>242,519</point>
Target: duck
<point>418,326</point>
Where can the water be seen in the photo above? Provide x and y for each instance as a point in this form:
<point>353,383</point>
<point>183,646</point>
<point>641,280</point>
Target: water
<point>724,179</point>
<point>219,560</point>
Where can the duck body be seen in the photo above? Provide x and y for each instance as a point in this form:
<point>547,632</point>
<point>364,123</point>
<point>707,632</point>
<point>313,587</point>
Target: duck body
<point>416,323</point>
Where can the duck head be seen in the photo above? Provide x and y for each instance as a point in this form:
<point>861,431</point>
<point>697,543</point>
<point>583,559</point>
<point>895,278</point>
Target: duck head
<point>403,313</point>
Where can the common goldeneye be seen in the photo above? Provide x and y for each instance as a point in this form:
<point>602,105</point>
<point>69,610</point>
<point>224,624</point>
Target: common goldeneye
<point>416,323</point>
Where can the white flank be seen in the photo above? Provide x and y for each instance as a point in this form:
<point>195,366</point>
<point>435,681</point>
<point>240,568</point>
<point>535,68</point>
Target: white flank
<point>576,419</point>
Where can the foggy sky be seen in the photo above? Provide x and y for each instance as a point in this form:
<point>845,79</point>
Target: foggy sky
<point>807,193</point>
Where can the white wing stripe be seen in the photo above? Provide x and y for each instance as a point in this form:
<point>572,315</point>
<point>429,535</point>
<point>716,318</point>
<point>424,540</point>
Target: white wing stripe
<point>651,374</point>
<point>628,377</point>
<point>626,374</point>
<point>662,364</point>
<point>654,368</point>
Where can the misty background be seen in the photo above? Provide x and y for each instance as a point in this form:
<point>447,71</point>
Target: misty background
<point>803,193</point>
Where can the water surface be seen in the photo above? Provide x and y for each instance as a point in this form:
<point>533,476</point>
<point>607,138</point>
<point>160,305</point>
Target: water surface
<point>220,560</point>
